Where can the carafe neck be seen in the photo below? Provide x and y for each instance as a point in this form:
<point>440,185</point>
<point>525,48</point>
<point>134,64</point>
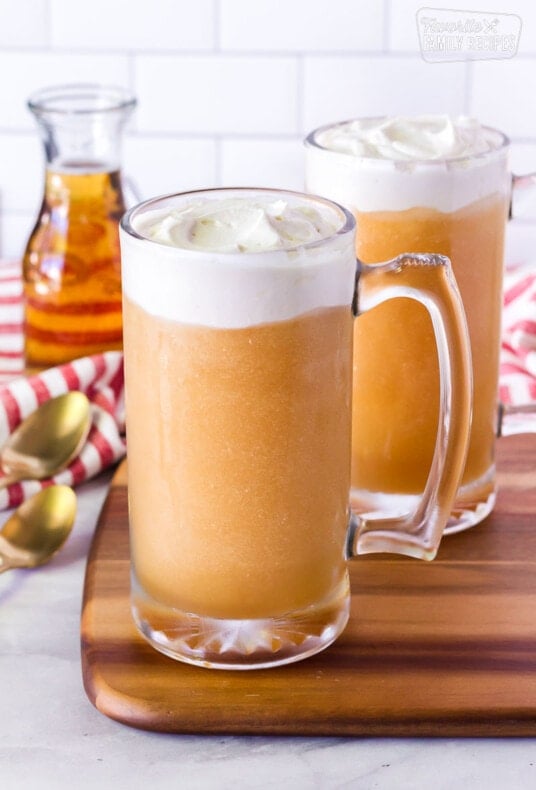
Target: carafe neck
<point>81,126</point>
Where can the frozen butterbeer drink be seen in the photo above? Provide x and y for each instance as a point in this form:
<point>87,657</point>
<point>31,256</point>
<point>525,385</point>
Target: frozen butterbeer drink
<point>434,184</point>
<point>238,335</point>
<point>238,325</point>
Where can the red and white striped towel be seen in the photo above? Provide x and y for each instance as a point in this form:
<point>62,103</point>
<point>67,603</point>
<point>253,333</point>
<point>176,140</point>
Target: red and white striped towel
<point>11,340</point>
<point>518,351</point>
<point>100,377</point>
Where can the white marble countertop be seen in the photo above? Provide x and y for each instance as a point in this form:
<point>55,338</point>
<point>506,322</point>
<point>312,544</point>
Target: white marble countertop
<point>52,737</point>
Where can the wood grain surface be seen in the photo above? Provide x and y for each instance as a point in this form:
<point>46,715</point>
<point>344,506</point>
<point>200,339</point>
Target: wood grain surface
<point>442,648</point>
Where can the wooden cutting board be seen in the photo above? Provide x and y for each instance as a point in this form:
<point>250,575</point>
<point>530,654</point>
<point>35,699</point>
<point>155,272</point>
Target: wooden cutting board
<point>442,648</point>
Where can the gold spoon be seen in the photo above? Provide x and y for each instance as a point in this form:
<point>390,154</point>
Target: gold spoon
<point>38,528</point>
<point>47,440</point>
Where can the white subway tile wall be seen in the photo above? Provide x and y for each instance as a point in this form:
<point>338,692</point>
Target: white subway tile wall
<point>343,86</point>
<point>302,25</point>
<point>23,72</point>
<point>132,25</point>
<point>403,37</point>
<point>505,90</point>
<point>228,88</point>
<point>217,94</point>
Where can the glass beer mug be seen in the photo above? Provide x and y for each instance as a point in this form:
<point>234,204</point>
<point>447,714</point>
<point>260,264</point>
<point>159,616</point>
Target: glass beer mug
<point>425,183</point>
<point>71,265</point>
<point>238,309</point>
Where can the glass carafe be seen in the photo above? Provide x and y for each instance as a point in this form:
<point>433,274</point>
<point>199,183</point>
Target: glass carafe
<point>71,265</point>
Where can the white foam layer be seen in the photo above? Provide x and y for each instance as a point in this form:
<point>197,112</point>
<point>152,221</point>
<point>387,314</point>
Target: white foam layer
<point>425,137</point>
<point>240,224</point>
<point>235,289</point>
<point>401,163</point>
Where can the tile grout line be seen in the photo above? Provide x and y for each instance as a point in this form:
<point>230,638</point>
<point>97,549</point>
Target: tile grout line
<point>216,21</point>
<point>131,72</point>
<point>48,26</point>
<point>210,53</point>
<point>386,24</point>
<point>178,134</point>
<point>204,136</point>
<point>468,93</point>
<point>300,93</point>
<point>218,168</point>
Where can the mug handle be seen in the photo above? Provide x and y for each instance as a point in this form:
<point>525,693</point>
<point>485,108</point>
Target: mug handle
<point>514,419</point>
<point>520,184</point>
<point>429,280</point>
<point>517,418</point>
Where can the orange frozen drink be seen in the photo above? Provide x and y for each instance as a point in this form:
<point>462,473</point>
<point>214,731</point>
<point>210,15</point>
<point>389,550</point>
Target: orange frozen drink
<point>238,358</point>
<point>421,184</point>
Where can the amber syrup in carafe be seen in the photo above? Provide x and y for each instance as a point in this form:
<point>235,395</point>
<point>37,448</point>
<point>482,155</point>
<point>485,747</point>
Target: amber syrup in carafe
<point>71,266</point>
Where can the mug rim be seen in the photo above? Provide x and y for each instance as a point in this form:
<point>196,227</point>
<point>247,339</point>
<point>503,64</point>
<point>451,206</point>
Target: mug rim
<point>347,218</point>
<point>310,141</point>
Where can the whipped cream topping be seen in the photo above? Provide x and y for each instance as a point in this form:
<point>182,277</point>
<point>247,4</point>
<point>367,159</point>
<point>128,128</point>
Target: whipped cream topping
<point>240,225</point>
<point>406,138</point>
<point>394,164</point>
<point>232,262</point>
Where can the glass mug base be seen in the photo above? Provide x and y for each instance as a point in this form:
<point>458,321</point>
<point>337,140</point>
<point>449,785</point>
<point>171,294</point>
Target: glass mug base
<point>473,503</point>
<point>241,644</point>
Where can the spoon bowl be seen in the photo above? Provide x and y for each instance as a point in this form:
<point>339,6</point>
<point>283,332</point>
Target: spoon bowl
<point>47,440</point>
<point>38,528</point>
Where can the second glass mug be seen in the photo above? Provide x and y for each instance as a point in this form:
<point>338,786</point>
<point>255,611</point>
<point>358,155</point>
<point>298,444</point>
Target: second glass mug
<point>458,207</point>
<point>239,434</point>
